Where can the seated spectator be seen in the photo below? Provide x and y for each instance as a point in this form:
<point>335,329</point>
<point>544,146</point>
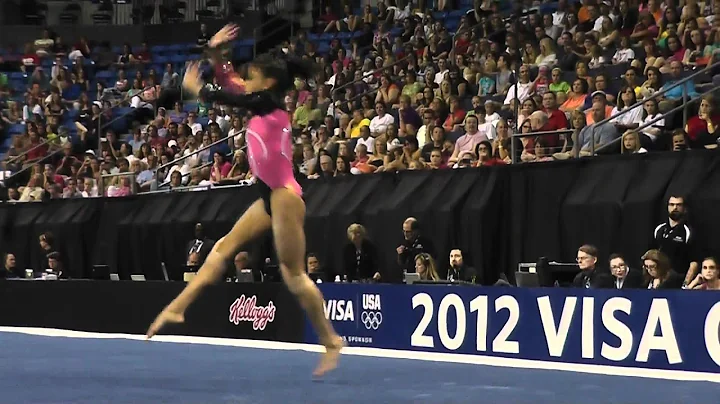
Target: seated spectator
<point>468,141</point>
<point>658,273</point>
<point>484,153</point>
<point>674,96</point>
<point>599,134</point>
<point>709,276</point>
<point>631,144</point>
<point>576,98</point>
<point>426,268</point>
<point>380,123</point>
<point>650,134</point>
<point>702,128</point>
<point>590,277</point>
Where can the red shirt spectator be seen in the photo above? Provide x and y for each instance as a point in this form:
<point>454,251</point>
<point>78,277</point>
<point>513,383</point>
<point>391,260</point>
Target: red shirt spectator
<point>37,149</point>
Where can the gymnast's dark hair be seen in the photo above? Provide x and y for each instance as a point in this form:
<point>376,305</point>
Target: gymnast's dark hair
<point>284,69</point>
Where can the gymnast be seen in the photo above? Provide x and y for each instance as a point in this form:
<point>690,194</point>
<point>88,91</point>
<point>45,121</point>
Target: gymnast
<point>281,207</point>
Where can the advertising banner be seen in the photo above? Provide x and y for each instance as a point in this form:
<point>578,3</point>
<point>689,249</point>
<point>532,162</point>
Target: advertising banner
<point>227,310</point>
<point>674,330</point>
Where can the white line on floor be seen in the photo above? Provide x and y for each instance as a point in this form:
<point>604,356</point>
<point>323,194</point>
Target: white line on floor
<point>388,353</point>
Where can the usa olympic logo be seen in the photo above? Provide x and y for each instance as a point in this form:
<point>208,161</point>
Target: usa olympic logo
<point>371,319</point>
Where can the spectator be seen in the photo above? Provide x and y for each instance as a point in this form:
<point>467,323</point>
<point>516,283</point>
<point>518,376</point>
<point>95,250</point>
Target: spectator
<point>9,269</point>
<point>468,141</point>
<point>709,276</point>
<point>625,277</point>
<point>590,276</point>
<point>55,266</point>
<point>201,244</point>
<point>360,259</point>
<point>413,244</point>
<point>658,272</point>
<point>460,271</point>
<point>426,268</point>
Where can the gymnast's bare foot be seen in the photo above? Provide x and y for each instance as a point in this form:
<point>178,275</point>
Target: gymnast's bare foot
<point>330,358</point>
<point>166,317</point>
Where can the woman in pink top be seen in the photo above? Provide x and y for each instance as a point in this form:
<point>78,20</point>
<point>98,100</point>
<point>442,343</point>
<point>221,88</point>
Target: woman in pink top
<point>220,168</point>
<point>281,207</point>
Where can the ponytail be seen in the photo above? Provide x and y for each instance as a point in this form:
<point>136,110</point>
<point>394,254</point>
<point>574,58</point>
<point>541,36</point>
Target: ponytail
<point>284,69</point>
<point>300,68</point>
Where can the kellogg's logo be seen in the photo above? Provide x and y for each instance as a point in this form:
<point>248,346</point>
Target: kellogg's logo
<point>246,309</point>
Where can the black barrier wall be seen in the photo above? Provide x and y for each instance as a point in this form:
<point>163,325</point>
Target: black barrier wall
<point>499,216</point>
<point>229,310</point>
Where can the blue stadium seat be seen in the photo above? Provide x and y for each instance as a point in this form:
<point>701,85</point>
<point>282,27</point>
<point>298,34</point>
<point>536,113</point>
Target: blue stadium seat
<point>178,59</point>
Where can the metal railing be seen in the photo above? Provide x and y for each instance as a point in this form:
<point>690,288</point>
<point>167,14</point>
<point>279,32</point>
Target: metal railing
<point>101,126</point>
<point>659,118</point>
<point>513,147</point>
<point>258,35</point>
<point>133,183</point>
<point>680,82</point>
<point>26,152</point>
<point>183,158</point>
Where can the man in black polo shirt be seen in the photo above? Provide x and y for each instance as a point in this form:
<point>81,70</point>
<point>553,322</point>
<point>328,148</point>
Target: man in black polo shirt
<point>413,244</point>
<point>677,240</point>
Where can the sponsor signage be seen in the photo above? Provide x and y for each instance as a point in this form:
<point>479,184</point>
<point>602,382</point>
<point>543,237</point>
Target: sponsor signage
<point>675,330</point>
<point>246,309</point>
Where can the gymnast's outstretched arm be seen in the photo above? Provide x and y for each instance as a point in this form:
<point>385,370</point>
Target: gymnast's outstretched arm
<point>256,101</point>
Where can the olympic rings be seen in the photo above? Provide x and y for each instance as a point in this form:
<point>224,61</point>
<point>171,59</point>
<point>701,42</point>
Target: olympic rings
<point>371,319</point>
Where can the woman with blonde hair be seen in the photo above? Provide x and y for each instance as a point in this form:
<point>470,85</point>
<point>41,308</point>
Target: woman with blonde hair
<point>425,267</point>
<point>360,258</point>
<point>658,272</point>
<point>631,143</point>
<point>547,56</point>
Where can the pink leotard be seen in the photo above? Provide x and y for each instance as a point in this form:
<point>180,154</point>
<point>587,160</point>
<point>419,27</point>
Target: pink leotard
<point>269,133</point>
<point>269,141</point>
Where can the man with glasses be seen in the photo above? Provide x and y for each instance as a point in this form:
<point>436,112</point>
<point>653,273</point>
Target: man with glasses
<point>625,277</point>
<point>590,277</point>
<point>413,244</point>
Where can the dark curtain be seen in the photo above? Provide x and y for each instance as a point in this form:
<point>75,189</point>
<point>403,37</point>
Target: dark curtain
<point>498,216</point>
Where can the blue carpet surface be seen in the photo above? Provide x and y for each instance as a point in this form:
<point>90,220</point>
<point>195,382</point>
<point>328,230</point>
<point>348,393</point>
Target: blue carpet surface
<point>48,370</point>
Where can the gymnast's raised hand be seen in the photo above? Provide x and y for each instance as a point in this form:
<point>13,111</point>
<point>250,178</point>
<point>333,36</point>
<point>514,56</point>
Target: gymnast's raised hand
<point>226,34</point>
<point>192,81</point>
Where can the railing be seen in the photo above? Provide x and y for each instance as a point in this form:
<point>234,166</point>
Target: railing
<point>101,126</point>
<point>654,96</point>
<point>513,147</point>
<point>183,158</point>
<point>133,183</point>
<point>26,152</point>
<point>653,121</point>
<point>258,35</point>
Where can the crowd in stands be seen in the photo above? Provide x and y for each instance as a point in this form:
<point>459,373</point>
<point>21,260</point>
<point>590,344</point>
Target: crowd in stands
<point>400,86</point>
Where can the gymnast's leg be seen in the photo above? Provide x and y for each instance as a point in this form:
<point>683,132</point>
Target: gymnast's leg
<point>251,224</point>
<point>288,214</point>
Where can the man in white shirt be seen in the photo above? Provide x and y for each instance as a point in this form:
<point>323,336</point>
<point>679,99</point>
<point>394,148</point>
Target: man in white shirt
<point>467,142</point>
<point>214,117</point>
<point>524,87</point>
<point>442,71</point>
<point>423,137</point>
<point>379,124</point>
<point>193,124</point>
<point>366,140</point>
